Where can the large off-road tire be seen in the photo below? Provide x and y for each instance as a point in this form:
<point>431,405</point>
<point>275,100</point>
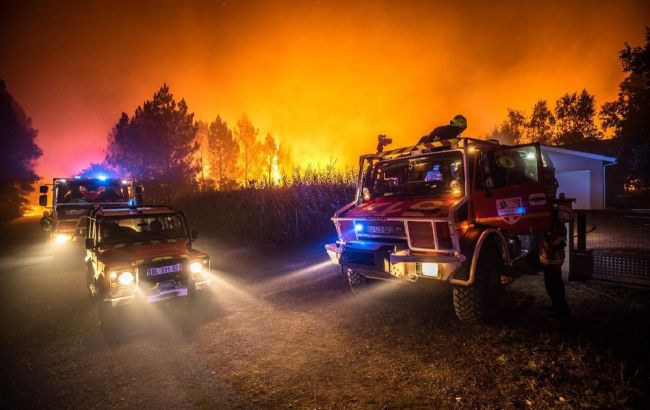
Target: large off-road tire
<point>357,282</point>
<point>479,302</point>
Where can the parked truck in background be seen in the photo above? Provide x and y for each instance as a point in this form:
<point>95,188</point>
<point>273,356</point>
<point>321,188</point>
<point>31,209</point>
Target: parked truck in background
<point>72,199</point>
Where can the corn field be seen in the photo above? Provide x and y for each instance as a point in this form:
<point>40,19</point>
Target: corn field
<point>299,209</point>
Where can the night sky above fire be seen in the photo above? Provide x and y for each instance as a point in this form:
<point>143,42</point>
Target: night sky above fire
<point>323,77</point>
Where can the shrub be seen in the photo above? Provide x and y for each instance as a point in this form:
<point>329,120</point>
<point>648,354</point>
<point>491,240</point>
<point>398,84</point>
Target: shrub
<point>299,209</point>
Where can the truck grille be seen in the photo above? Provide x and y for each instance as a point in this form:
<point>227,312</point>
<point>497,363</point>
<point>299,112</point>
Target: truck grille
<point>421,235</point>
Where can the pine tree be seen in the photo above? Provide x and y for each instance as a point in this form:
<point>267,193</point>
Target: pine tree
<point>19,151</point>
<point>247,137</point>
<point>224,153</point>
<point>157,145</point>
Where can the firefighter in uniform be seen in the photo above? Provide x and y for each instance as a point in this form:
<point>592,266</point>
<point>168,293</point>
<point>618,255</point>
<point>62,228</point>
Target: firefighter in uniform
<point>456,126</point>
<point>551,256</point>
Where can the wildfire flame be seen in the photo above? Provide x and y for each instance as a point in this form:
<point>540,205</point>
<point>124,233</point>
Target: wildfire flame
<point>275,169</point>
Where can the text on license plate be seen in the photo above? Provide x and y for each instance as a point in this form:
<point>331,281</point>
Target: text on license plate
<point>380,229</point>
<point>161,270</point>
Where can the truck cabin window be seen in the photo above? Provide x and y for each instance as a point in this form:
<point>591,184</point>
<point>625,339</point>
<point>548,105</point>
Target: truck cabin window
<point>141,228</point>
<point>511,167</point>
<point>434,174</point>
<point>91,192</point>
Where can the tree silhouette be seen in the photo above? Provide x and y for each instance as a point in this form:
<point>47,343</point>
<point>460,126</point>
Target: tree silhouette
<point>629,115</point>
<point>540,127</point>
<point>19,151</point>
<point>247,137</point>
<point>269,151</point>
<point>224,153</point>
<point>514,127</point>
<point>157,145</point>
<point>575,118</point>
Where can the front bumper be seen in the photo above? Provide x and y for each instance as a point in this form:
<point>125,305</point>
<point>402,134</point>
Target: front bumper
<point>385,261</point>
<point>164,290</point>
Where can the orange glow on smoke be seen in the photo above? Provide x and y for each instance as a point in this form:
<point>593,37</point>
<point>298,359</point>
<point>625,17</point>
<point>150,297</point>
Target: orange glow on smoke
<point>323,78</point>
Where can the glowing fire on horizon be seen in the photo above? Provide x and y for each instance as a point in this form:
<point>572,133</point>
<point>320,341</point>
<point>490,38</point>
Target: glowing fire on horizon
<point>275,169</point>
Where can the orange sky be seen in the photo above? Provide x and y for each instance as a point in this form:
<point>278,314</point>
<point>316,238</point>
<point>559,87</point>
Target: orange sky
<point>324,78</point>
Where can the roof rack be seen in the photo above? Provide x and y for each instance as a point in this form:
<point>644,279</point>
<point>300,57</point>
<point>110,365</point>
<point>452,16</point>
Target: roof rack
<point>142,209</point>
<point>439,145</point>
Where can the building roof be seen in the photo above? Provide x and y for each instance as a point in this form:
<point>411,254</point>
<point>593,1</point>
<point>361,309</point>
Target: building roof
<point>601,150</point>
<point>609,148</point>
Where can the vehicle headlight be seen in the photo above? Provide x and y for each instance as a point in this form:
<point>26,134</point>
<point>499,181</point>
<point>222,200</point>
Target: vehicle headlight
<point>196,266</point>
<point>124,278</point>
<point>61,238</point>
<point>430,269</point>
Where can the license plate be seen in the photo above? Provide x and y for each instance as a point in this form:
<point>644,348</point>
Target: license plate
<point>164,269</point>
<point>380,229</point>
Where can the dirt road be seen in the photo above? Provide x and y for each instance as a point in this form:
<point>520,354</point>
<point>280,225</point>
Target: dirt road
<point>283,332</point>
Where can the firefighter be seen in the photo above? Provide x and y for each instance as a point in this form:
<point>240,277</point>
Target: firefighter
<point>551,256</point>
<point>456,126</point>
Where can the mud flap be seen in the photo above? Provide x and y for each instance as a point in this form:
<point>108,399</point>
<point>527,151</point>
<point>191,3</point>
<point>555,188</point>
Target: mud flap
<point>467,248</point>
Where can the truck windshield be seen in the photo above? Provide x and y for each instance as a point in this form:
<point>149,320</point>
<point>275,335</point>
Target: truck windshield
<point>135,229</point>
<point>435,174</point>
<point>91,192</point>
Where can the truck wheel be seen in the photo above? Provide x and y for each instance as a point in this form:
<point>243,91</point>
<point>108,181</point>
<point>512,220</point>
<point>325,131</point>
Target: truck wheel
<point>358,283</point>
<point>479,302</point>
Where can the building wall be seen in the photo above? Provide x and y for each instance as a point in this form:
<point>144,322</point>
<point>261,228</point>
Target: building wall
<point>567,163</point>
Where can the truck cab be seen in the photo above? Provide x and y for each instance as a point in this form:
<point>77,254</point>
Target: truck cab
<point>72,200</point>
<point>460,211</point>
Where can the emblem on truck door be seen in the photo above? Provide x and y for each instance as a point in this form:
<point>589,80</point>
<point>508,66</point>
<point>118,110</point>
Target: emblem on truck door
<point>510,210</point>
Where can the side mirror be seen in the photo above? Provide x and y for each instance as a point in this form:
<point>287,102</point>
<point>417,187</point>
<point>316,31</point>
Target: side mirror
<point>42,200</point>
<point>90,244</point>
<point>43,189</point>
<point>194,234</point>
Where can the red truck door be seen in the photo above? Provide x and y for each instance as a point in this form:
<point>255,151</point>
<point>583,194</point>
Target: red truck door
<point>510,189</point>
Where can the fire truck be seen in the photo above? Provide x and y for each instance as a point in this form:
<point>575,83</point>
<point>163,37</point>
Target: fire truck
<point>74,198</point>
<point>462,211</point>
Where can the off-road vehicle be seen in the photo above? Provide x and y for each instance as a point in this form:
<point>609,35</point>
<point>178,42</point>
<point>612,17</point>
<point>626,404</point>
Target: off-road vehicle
<point>141,254</point>
<point>461,210</point>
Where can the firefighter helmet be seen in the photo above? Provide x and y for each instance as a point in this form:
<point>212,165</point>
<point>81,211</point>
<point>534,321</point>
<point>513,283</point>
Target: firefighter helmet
<point>459,121</point>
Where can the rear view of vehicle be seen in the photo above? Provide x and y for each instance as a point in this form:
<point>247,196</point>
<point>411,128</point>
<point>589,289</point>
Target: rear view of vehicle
<point>459,211</point>
<point>141,255</point>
